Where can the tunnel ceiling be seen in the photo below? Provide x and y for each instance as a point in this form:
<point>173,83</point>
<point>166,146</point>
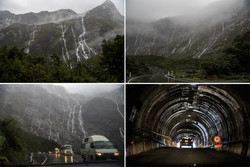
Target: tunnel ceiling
<point>199,111</point>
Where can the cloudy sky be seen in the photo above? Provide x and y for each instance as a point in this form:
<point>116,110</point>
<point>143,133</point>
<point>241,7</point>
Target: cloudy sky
<point>89,89</point>
<point>79,6</point>
<point>150,10</point>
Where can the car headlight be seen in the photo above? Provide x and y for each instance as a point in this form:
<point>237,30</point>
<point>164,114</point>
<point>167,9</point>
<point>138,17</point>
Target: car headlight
<point>98,154</point>
<point>116,154</point>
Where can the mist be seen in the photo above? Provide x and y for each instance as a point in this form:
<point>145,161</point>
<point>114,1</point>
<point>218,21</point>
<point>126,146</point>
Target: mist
<point>89,89</point>
<point>79,6</point>
<point>153,10</point>
<point>165,27</point>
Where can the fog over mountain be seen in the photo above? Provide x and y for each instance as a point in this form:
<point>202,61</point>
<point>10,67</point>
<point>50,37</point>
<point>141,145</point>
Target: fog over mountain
<point>152,10</point>
<point>36,6</point>
<point>52,112</point>
<point>89,89</point>
<point>187,28</point>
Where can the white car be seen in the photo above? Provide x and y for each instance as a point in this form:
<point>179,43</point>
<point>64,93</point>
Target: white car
<point>98,147</point>
<point>57,151</point>
<point>66,150</point>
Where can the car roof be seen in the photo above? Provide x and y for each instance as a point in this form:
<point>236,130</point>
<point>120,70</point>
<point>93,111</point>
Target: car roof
<point>97,138</point>
<point>186,137</point>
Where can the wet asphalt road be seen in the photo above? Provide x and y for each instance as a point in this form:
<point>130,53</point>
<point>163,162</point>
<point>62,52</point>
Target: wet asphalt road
<point>187,157</point>
<point>75,161</point>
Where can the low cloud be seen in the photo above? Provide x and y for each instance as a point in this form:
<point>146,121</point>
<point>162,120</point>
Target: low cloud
<point>79,6</point>
<point>151,10</point>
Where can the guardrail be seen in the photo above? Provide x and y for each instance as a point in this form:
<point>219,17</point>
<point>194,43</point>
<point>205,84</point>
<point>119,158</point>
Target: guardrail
<point>39,159</point>
<point>146,140</point>
<point>239,147</point>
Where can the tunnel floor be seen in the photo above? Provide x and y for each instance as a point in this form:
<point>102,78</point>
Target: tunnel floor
<point>187,157</point>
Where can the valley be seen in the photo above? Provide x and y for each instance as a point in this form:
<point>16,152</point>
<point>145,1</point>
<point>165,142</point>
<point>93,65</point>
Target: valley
<point>200,46</point>
<point>49,111</point>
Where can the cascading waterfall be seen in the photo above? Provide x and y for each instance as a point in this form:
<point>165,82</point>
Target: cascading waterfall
<point>154,39</point>
<point>20,18</point>
<point>118,110</point>
<point>136,39</point>
<point>189,43</point>
<point>211,42</point>
<point>121,133</point>
<point>117,107</point>
<point>72,119</point>
<point>31,40</point>
<point>50,127</point>
<point>152,45</point>
<point>81,122</point>
<point>82,47</point>
<point>141,41</point>
<point>78,59</point>
<point>64,47</point>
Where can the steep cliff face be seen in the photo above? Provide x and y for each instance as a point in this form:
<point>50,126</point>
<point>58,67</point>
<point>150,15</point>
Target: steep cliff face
<point>7,18</point>
<point>75,37</point>
<point>208,31</point>
<point>50,111</point>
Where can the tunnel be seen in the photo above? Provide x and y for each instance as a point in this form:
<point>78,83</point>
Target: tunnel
<point>160,115</point>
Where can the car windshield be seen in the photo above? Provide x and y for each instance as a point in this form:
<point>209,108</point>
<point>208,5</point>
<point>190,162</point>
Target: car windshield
<point>104,144</point>
<point>67,148</point>
<point>186,138</point>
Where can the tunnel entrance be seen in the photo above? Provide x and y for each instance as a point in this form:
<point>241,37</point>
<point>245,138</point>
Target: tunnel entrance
<point>161,115</point>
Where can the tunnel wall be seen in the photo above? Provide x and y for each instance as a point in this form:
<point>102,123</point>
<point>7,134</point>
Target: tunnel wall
<point>248,150</point>
<point>241,148</point>
<point>143,146</point>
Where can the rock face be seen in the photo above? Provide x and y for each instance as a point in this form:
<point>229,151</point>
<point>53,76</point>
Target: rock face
<point>7,18</point>
<point>208,31</point>
<point>76,37</point>
<point>50,111</point>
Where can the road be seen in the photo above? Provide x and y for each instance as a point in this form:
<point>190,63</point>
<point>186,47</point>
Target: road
<point>75,160</point>
<point>156,78</point>
<point>187,157</point>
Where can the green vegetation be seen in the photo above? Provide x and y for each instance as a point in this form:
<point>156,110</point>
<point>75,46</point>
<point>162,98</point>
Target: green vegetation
<point>136,65</point>
<point>233,64</point>
<point>113,59</point>
<point>35,143</point>
<point>18,142</point>
<point>13,148</point>
<point>15,35</point>
<point>17,66</point>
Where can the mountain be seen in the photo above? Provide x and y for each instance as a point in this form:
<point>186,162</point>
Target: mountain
<point>51,112</point>
<point>206,32</point>
<point>75,37</point>
<point>7,18</point>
